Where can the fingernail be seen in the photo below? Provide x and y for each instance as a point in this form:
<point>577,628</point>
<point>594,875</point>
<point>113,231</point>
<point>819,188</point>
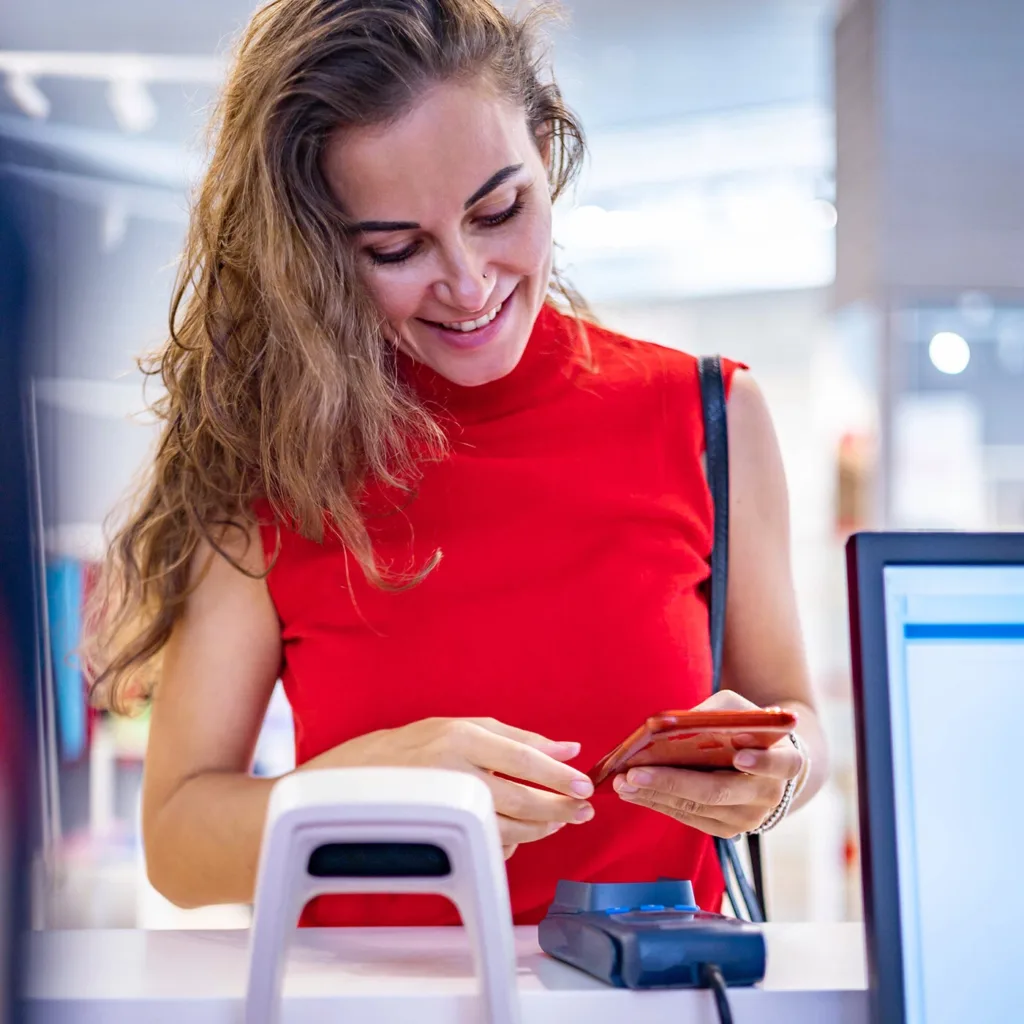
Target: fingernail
<point>584,813</point>
<point>565,751</point>
<point>622,786</point>
<point>640,778</point>
<point>582,787</point>
<point>745,760</point>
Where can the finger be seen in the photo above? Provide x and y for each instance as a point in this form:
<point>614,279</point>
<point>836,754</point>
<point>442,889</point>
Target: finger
<point>514,832</point>
<point>509,850</point>
<point>560,750</point>
<point>525,803</point>
<point>719,821</point>
<point>738,818</point>
<point>495,753</point>
<point>780,761</point>
<point>709,789</point>
<point>730,820</point>
<point>712,826</point>
<point>726,700</point>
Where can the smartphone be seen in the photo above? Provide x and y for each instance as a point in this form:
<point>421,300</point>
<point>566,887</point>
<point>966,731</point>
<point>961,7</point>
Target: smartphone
<point>698,740</point>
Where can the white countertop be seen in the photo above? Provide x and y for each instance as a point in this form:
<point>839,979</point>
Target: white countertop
<point>397,976</point>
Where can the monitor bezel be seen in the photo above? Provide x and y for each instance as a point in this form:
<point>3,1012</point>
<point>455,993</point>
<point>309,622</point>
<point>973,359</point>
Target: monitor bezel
<point>867,555</point>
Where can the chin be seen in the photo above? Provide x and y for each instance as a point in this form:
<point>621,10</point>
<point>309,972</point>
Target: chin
<point>473,373</point>
<point>473,368</point>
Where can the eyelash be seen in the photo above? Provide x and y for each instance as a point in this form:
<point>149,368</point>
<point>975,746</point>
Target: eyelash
<point>494,221</point>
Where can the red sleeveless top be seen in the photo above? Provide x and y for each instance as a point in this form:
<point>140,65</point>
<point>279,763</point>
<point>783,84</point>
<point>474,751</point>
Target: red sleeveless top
<point>575,526</point>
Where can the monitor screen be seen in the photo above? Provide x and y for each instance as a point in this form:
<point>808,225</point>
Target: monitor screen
<point>955,656</point>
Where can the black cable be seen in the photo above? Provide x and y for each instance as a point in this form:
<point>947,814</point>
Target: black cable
<point>730,891</point>
<point>735,877</point>
<point>711,977</point>
<point>757,870</point>
<point>746,889</point>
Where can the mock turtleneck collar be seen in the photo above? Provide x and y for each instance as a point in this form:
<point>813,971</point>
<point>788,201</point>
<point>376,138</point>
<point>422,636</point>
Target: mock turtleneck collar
<point>546,363</point>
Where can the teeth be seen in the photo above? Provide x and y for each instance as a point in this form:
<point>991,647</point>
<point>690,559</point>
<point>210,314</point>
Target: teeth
<point>472,325</point>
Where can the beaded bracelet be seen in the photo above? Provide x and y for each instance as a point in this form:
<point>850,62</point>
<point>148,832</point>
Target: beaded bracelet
<point>789,793</point>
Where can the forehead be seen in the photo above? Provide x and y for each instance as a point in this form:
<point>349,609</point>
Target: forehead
<point>434,157</point>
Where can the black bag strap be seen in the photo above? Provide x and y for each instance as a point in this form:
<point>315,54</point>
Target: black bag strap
<point>716,449</point>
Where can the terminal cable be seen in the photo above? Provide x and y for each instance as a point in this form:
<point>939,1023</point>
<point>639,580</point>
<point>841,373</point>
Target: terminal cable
<point>711,977</point>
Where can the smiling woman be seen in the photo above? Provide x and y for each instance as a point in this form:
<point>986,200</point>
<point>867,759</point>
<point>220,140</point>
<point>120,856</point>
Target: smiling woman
<point>367,372</point>
<point>455,229</point>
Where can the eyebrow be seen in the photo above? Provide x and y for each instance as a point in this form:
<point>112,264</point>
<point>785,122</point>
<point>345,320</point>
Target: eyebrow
<point>494,181</point>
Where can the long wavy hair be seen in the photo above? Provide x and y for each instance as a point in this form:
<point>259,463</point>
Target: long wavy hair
<point>278,381</point>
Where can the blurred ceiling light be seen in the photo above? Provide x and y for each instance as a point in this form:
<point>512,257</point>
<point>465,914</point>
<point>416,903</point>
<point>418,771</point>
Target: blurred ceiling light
<point>825,215</point>
<point>132,104</point>
<point>30,98</point>
<point>949,352</point>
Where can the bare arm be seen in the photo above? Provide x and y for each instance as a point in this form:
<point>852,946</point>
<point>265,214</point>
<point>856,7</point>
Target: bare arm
<point>764,657</point>
<point>202,813</point>
<point>763,661</point>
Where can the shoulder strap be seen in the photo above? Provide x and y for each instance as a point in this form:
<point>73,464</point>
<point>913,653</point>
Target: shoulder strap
<point>716,447</point>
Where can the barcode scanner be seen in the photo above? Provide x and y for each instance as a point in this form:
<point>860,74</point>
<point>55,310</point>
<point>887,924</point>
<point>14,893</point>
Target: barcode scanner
<point>382,830</point>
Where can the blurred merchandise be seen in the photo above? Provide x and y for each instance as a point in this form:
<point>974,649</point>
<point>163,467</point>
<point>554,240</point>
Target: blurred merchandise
<point>854,497</point>
<point>64,594</point>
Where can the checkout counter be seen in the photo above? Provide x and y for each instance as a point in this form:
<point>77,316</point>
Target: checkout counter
<point>400,830</point>
<point>816,973</point>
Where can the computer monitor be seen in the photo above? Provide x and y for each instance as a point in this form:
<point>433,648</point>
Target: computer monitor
<point>937,630</point>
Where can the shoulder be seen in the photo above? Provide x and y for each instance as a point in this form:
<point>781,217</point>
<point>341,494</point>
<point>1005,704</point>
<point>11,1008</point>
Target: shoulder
<point>623,354</point>
<point>621,357</point>
<point>228,555</point>
<point>756,470</point>
<point>750,420</point>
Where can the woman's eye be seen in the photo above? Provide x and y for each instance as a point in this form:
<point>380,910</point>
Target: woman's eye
<point>507,214</point>
<point>399,256</point>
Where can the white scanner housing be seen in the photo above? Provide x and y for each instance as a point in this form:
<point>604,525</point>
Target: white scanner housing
<point>344,830</point>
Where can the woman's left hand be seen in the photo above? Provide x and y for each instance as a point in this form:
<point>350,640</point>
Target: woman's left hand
<point>721,803</point>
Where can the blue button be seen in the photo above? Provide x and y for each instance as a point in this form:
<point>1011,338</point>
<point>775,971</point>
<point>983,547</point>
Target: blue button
<point>652,906</point>
<point>617,910</point>
<point>683,906</point>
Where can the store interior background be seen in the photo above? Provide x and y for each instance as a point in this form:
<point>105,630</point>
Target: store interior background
<point>710,217</point>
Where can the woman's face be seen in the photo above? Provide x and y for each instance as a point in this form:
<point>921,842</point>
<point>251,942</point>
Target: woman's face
<point>454,213</point>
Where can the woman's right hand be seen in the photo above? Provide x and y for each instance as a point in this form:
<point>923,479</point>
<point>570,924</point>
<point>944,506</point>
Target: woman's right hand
<point>488,749</point>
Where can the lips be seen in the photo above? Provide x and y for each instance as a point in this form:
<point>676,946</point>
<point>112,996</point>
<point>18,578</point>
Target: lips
<point>468,326</point>
<point>465,326</point>
<point>471,334</point>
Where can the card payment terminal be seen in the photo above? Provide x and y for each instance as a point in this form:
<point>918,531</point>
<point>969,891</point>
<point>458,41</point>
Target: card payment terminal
<point>648,935</point>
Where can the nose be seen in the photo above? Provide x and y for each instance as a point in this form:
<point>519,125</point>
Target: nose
<point>465,283</point>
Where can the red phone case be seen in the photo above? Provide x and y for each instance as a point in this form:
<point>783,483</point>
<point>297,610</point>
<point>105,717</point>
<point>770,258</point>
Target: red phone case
<point>693,739</point>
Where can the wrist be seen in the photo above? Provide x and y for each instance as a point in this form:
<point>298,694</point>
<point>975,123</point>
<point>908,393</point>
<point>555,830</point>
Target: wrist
<point>789,792</point>
<point>803,776</point>
<point>354,753</point>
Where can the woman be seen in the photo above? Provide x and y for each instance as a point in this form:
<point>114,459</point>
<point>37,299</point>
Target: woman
<point>466,529</point>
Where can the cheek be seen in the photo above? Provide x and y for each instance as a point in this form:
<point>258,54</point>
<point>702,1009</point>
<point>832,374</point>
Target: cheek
<point>397,295</point>
<point>528,251</point>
